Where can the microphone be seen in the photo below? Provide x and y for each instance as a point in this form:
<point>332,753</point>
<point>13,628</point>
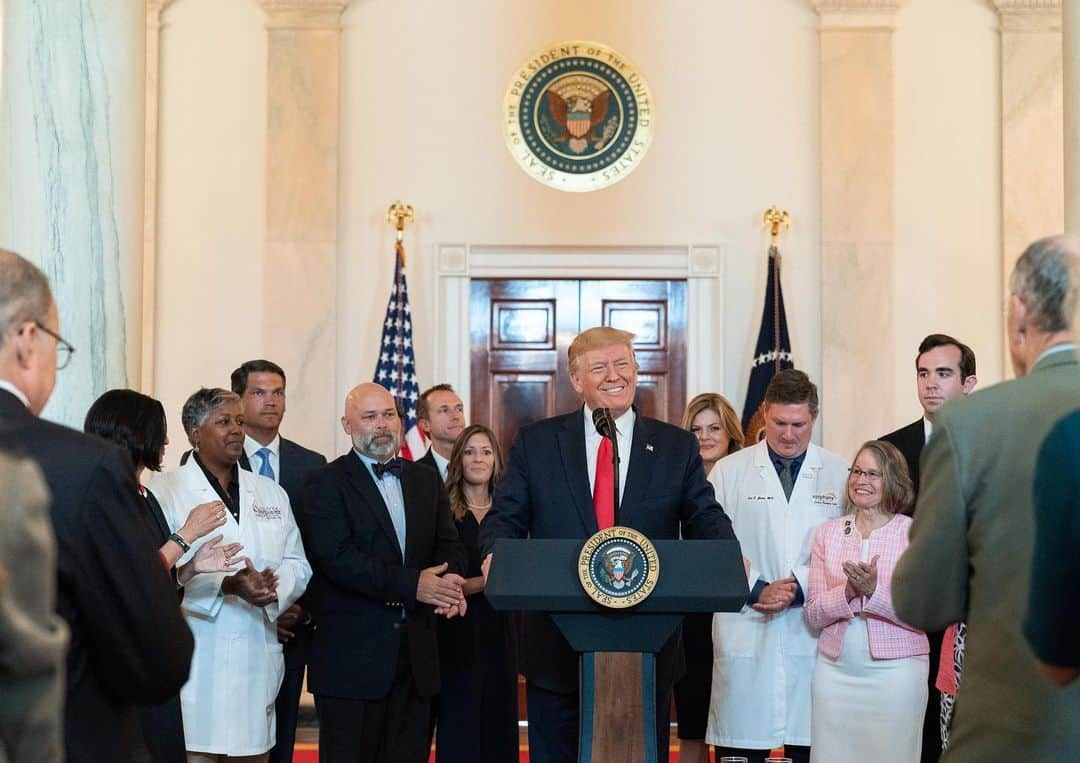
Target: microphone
<point>604,422</point>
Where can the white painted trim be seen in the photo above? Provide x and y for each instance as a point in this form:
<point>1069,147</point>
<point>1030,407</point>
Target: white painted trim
<point>700,265</point>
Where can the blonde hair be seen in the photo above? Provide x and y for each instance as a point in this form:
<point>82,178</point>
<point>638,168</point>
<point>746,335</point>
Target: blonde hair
<point>897,490</point>
<point>597,338</point>
<point>455,476</point>
<point>729,420</point>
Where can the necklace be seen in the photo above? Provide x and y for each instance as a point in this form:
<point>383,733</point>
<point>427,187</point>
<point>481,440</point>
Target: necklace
<point>479,505</point>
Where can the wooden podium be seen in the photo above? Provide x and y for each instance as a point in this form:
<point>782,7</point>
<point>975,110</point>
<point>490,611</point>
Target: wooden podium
<point>617,647</point>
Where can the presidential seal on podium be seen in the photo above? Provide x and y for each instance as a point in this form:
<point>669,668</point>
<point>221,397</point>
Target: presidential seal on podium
<point>578,116</point>
<point>618,567</point>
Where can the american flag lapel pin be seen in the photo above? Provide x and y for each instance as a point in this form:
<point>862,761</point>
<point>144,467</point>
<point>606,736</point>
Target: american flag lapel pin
<point>649,447</point>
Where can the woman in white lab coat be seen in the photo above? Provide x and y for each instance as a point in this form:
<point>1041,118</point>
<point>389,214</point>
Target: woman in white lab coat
<point>228,701</point>
<point>764,661</point>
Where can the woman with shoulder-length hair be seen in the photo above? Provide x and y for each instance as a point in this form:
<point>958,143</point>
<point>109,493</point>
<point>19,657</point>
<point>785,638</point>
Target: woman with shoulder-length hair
<point>869,685</point>
<point>228,701</point>
<point>478,699</point>
<point>137,424</point>
<point>713,421</point>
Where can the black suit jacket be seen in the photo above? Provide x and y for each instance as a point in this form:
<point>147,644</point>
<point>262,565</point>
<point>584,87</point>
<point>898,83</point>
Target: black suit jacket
<point>544,492</point>
<point>429,460</point>
<point>129,642</point>
<point>360,584</point>
<point>909,441</point>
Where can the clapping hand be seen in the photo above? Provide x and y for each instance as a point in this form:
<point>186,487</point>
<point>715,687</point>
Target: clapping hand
<point>214,558</point>
<point>204,518</point>
<point>862,577</point>
<point>776,596</point>
<point>287,620</point>
<point>441,590</point>
<point>258,588</point>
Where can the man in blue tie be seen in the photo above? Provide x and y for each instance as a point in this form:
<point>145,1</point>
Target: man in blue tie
<point>261,387</point>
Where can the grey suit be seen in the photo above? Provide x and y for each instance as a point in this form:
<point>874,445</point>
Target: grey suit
<point>970,559</point>
<point>33,638</point>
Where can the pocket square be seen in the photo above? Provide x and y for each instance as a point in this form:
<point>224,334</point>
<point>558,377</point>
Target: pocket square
<point>648,446</point>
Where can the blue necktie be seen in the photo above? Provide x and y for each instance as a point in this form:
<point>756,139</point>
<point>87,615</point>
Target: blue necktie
<point>265,470</point>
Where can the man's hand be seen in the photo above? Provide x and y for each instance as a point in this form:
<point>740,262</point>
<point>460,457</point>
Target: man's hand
<point>255,587</point>
<point>776,596</point>
<point>462,605</point>
<point>288,620</point>
<point>438,589</point>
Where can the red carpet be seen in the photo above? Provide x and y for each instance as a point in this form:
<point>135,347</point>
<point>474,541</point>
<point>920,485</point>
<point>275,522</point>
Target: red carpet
<point>309,753</point>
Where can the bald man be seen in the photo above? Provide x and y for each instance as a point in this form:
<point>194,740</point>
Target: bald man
<point>387,562</point>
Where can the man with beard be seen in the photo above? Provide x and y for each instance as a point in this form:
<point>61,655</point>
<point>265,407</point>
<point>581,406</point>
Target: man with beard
<point>387,559</point>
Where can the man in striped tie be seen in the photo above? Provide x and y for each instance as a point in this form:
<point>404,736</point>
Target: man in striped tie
<point>560,482</point>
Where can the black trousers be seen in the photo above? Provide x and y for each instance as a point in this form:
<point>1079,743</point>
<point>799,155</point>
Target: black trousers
<point>287,707</point>
<point>553,724</point>
<point>795,752</point>
<point>393,729</point>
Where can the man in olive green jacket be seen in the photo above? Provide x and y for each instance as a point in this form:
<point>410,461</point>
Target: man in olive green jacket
<point>971,540</point>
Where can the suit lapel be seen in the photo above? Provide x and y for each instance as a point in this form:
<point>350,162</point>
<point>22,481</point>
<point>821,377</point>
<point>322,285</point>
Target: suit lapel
<point>414,495</point>
<point>362,480</point>
<point>576,468</point>
<point>637,475</point>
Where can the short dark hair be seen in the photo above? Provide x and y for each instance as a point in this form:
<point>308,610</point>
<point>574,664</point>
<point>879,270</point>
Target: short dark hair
<point>239,378</point>
<point>792,387</point>
<point>422,404</point>
<point>967,355</point>
<point>132,420</point>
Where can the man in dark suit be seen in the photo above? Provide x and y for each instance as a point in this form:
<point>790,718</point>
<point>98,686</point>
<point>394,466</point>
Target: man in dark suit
<point>129,642</point>
<point>944,371</point>
<point>261,387</point>
<point>386,557</point>
<point>555,470</point>
<point>440,414</point>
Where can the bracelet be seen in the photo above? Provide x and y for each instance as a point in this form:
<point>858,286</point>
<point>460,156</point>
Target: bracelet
<point>183,544</point>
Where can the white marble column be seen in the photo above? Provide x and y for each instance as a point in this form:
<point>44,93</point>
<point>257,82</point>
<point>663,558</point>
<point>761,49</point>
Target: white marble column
<point>300,267</point>
<point>857,205</point>
<point>71,194</point>
<point>1071,86</point>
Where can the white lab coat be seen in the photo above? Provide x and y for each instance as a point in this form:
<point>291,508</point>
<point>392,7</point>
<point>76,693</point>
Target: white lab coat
<point>237,668</point>
<point>762,664</point>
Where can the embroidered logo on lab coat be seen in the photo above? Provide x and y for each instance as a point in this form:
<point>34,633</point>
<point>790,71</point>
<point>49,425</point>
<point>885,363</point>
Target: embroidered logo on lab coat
<point>266,512</point>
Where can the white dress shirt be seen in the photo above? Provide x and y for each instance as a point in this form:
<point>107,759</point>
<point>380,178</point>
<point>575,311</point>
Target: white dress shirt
<point>442,463</point>
<point>252,446</point>
<point>927,428</point>
<point>624,430</point>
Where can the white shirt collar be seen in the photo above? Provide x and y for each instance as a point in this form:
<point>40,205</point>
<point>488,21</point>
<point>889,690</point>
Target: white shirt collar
<point>624,433</point>
<point>442,463</point>
<point>5,384</point>
<point>1055,349</point>
<point>927,428</point>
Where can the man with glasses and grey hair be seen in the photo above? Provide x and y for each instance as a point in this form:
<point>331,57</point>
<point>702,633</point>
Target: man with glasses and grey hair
<point>971,540</point>
<point>129,643</point>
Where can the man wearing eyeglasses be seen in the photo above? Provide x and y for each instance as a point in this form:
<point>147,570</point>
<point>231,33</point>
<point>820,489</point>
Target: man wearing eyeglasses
<point>129,642</point>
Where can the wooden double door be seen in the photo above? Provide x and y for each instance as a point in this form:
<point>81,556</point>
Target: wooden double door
<point>521,329</point>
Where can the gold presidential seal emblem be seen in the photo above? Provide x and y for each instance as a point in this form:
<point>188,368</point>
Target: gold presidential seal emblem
<point>578,116</point>
<point>618,567</point>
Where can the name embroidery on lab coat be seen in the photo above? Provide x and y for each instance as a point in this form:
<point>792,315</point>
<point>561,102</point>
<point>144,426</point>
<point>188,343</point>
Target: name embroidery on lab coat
<point>266,512</point>
<point>827,499</point>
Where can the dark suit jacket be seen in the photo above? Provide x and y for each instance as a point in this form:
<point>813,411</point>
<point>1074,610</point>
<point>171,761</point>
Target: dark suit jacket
<point>544,492</point>
<point>429,460</point>
<point>909,441</point>
<point>129,642</point>
<point>360,584</point>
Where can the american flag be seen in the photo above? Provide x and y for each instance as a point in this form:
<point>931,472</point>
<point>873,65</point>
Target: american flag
<point>396,369</point>
<point>771,354</point>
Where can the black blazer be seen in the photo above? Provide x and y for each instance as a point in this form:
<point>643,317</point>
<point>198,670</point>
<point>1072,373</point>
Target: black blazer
<point>360,584</point>
<point>429,460</point>
<point>129,642</point>
<point>544,492</point>
<point>909,441</point>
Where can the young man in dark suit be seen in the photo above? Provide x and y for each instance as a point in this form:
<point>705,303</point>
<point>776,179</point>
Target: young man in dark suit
<point>547,491</point>
<point>261,387</point>
<point>440,414</point>
<point>944,371</point>
<point>387,559</point>
<point>129,643</point>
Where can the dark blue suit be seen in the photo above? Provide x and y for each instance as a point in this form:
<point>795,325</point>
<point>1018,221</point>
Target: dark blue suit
<point>544,492</point>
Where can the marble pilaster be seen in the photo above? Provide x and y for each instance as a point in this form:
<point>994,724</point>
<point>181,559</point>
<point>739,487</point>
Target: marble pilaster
<point>300,267</point>
<point>71,192</point>
<point>1071,103</point>
<point>857,204</point>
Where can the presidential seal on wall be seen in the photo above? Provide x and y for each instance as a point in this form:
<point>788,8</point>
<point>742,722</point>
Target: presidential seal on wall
<point>578,116</point>
<point>618,567</point>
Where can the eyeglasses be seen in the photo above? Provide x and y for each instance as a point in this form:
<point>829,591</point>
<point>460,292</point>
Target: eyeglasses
<point>870,474</point>
<point>64,350</point>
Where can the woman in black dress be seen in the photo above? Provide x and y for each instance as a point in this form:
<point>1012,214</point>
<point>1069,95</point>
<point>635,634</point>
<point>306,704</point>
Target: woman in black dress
<point>478,701</point>
<point>136,423</point>
<point>713,421</point>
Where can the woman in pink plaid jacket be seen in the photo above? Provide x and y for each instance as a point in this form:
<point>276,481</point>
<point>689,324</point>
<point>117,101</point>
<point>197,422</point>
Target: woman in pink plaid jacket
<point>869,685</point>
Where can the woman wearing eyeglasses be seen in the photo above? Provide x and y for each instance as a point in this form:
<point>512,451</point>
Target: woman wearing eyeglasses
<point>869,685</point>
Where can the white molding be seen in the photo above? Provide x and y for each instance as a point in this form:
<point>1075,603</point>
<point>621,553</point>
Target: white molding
<point>857,14</point>
<point>1029,15</point>
<point>702,266</point>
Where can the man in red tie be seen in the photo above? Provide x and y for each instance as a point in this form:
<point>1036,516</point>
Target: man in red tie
<point>559,482</point>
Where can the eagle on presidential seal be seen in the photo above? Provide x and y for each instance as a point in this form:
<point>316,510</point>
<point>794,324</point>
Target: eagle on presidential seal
<point>619,565</point>
<point>577,114</point>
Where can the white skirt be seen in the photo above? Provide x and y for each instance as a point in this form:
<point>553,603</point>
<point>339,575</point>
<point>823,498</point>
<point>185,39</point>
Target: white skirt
<point>865,709</point>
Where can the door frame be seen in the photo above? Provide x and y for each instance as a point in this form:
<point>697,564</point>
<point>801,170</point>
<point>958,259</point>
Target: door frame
<point>700,265</point>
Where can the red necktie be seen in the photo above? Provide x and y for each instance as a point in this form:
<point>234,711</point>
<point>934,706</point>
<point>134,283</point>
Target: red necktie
<point>603,497</point>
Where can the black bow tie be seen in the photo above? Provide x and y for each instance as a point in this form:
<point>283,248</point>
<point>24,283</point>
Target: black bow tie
<point>393,466</point>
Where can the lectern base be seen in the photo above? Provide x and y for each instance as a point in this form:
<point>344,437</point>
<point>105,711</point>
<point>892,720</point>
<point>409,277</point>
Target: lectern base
<point>618,707</point>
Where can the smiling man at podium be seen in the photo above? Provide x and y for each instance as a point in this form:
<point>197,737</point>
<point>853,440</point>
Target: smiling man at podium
<point>559,482</point>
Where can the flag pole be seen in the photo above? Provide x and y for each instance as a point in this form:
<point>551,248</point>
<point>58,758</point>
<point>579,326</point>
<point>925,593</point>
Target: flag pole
<point>776,218</point>
<point>398,214</point>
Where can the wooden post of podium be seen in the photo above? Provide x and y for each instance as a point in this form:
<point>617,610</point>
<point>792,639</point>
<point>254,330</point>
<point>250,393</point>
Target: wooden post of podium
<point>618,707</point>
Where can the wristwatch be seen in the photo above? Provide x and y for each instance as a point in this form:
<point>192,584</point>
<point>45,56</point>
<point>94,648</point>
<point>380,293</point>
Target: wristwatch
<point>183,544</point>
